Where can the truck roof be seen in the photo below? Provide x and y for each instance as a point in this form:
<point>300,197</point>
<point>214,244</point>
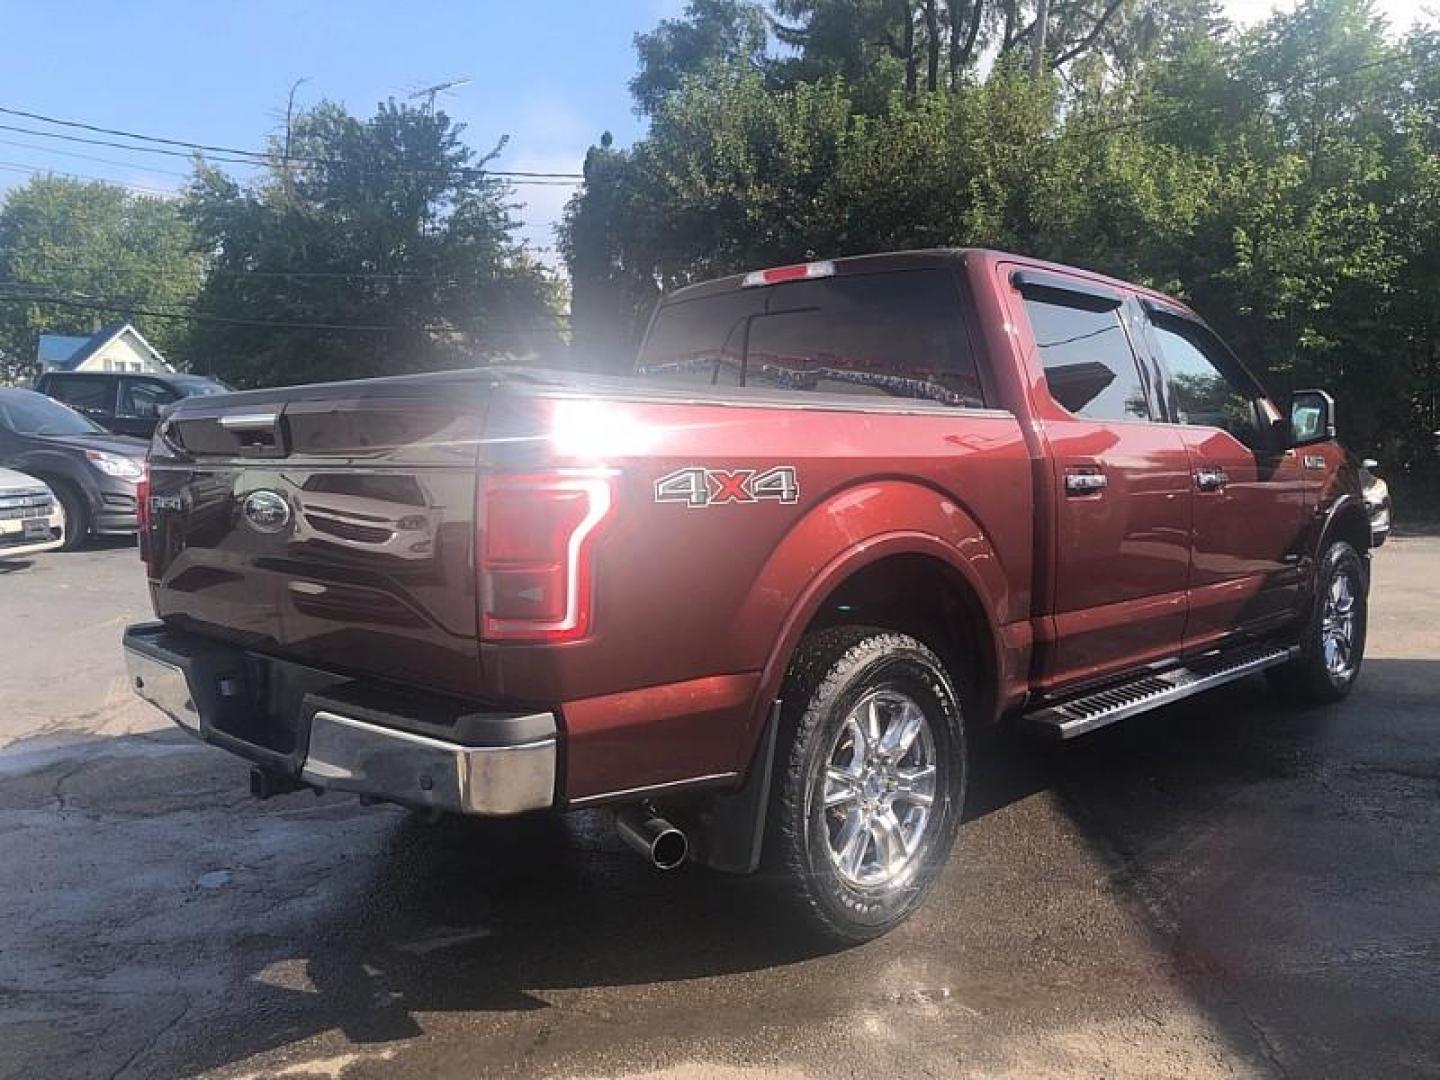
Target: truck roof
<point>926,258</point>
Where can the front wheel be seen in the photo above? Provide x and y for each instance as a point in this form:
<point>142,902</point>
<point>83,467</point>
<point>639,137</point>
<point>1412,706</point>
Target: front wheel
<point>1332,646</point>
<point>871,780</point>
<point>74,517</point>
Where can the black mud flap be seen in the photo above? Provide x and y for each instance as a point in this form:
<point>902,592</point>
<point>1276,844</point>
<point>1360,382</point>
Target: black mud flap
<point>731,829</point>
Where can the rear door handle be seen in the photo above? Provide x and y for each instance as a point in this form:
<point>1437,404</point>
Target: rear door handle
<point>1085,480</point>
<point>1209,478</point>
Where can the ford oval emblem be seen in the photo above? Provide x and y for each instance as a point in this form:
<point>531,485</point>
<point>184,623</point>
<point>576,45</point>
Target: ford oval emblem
<point>266,511</point>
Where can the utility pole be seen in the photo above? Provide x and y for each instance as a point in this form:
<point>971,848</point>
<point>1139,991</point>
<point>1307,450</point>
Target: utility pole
<point>289,131</point>
<point>1037,58</point>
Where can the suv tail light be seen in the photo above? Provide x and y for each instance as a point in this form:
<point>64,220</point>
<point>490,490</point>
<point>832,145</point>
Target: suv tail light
<point>534,551</point>
<point>142,512</point>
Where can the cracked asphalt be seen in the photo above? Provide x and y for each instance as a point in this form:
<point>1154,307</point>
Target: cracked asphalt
<point>1223,888</point>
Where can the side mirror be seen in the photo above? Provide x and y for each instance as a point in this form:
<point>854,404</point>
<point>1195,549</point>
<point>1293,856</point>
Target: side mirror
<point>1312,417</point>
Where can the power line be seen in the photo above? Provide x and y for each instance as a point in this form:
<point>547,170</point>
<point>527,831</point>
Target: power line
<point>16,166</point>
<point>89,157</point>
<point>248,157</point>
<point>227,320</point>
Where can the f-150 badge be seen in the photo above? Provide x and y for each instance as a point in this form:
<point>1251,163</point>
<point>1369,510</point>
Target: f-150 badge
<point>697,487</point>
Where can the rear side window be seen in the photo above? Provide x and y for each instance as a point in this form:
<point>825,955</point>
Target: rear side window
<point>1089,366</point>
<point>87,393</point>
<point>898,334</point>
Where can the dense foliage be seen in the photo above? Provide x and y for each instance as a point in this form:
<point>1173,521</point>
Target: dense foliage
<point>1285,180</point>
<point>73,254</point>
<point>368,247</point>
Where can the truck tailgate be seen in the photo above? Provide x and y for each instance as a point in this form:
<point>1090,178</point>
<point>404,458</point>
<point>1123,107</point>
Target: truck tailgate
<point>329,524</point>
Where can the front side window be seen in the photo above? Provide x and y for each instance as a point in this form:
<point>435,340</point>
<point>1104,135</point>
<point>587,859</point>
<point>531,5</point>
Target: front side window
<point>898,334</point>
<point>1200,391</point>
<point>144,398</point>
<point>1089,365</point>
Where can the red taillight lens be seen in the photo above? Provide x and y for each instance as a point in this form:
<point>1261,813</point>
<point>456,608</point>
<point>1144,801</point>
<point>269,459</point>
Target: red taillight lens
<point>536,534</point>
<point>142,513</point>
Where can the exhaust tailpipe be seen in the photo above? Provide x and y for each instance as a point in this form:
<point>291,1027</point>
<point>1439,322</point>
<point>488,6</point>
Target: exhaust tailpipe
<point>652,836</point>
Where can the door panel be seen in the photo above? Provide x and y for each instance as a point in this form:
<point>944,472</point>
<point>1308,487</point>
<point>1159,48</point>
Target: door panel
<point>1122,552</point>
<point>1118,482</point>
<point>1249,501</point>
<point>1245,563</point>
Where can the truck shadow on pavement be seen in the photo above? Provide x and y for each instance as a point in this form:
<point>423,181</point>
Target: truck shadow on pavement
<point>239,928</point>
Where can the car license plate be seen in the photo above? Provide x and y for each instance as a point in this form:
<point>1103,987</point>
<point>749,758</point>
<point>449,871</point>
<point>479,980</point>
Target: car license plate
<point>37,529</point>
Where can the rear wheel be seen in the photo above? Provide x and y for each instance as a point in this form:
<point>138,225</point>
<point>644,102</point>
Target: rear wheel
<point>871,781</point>
<point>74,516</point>
<point>1332,646</point>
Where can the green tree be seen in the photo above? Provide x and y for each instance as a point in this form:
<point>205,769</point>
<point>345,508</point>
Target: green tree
<point>382,246</point>
<point>108,252</point>
<point>725,32</point>
<point>1284,180</point>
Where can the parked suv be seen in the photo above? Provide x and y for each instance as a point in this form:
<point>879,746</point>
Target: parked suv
<point>93,473</point>
<point>126,404</point>
<point>757,598</point>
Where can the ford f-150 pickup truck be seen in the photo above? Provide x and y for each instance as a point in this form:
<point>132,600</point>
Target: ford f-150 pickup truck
<point>756,596</point>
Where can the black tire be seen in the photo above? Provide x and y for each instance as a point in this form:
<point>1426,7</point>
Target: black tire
<point>834,672</point>
<point>1313,678</point>
<point>76,531</point>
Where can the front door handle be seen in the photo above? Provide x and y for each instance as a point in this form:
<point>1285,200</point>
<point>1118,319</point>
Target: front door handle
<point>1085,480</point>
<point>1210,478</point>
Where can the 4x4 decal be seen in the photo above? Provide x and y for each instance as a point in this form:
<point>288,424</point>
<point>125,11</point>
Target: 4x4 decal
<point>698,487</point>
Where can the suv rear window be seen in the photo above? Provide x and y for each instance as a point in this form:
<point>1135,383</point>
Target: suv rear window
<point>896,334</point>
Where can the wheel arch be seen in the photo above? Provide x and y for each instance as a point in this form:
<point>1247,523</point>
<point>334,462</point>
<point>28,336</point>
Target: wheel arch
<point>1346,520</point>
<point>876,582</point>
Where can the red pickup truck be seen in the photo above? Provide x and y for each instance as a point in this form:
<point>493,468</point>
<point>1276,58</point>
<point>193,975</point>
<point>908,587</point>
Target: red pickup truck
<point>756,596</point>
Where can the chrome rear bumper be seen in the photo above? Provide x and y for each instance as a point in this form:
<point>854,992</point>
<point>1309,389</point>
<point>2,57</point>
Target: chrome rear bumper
<point>350,755</point>
<point>346,753</point>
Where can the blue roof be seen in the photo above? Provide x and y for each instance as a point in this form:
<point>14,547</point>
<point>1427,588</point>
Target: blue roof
<point>57,350</point>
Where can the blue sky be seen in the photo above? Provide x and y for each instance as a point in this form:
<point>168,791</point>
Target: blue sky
<point>550,73</point>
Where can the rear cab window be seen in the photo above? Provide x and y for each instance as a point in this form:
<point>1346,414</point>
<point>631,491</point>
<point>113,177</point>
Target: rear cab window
<point>890,334</point>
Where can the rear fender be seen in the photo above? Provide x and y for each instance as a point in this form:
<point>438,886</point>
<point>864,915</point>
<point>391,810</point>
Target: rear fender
<point>852,529</point>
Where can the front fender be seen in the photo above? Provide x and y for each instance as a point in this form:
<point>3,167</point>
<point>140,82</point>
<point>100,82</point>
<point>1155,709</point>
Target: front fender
<point>1337,520</point>
<point>855,528</point>
<point>51,465</point>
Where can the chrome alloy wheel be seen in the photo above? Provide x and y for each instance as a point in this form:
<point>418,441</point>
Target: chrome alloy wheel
<point>880,777</point>
<point>1337,627</point>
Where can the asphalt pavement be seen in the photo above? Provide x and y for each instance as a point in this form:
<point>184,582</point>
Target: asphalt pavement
<point>1222,888</point>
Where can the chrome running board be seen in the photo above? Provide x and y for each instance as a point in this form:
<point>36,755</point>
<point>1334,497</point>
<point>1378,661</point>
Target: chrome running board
<point>1066,719</point>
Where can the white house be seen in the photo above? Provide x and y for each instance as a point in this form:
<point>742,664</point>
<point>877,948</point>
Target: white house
<point>111,348</point>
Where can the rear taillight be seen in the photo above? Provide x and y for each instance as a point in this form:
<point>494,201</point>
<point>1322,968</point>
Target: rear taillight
<point>535,546</point>
<point>142,513</point>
